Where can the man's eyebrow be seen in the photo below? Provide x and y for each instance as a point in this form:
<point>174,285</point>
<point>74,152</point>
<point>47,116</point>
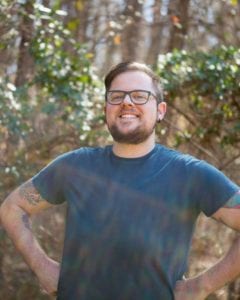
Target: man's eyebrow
<point>234,202</point>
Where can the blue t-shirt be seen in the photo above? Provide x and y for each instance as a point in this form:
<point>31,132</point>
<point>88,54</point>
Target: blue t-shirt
<point>129,220</point>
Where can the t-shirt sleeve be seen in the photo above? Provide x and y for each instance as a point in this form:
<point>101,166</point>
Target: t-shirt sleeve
<point>211,187</point>
<point>50,181</point>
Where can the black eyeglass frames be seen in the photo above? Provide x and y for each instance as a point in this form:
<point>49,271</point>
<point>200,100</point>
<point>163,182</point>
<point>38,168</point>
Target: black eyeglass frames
<point>138,97</point>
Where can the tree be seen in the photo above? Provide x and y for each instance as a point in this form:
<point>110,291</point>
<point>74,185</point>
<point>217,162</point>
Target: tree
<point>178,12</point>
<point>132,29</point>
<point>156,33</point>
<point>55,102</point>
<point>25,62</point>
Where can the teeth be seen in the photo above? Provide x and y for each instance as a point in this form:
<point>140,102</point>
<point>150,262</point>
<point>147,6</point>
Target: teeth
<point>128,116</point>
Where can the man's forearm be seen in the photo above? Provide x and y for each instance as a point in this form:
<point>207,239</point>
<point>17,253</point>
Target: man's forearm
<point>18,226</point>
<point>224,271</point>
<point>15,215</point>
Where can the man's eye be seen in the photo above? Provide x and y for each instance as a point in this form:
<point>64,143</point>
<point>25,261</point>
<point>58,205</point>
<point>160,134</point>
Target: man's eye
<point>139,96</point>
<point>117,96</point>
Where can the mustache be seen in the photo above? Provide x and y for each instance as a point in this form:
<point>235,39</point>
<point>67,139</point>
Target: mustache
<point>132,110</point>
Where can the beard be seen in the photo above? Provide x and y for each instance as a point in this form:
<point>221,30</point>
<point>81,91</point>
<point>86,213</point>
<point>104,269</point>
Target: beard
<point>134,137</point>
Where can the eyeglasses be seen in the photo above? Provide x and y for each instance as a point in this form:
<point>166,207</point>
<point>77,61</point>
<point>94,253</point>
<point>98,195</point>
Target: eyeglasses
<point>138,97</point>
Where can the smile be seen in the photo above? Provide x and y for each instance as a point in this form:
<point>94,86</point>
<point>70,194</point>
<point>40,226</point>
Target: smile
<point>128,116</point>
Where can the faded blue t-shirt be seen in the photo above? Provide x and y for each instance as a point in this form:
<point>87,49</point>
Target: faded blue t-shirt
<point>129,220</point>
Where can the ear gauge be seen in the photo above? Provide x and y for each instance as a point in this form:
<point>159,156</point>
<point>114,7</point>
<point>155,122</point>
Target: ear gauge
<point>160,118</point>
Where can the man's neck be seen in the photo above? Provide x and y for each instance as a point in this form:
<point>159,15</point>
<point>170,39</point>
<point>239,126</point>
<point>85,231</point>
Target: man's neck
<point>132,150</point>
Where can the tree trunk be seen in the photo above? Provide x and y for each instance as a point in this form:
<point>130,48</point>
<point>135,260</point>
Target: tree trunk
<point>25,64</point>
<point>178,12</point>
<point>155,34</point>
<point>131,49</point>
<point>83,15</point>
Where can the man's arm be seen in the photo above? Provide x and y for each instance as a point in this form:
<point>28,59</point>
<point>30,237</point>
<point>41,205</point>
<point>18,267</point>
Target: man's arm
<point>15,214</point>
<point>225,270</point>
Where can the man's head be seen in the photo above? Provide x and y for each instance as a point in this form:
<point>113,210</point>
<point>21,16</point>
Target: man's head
<point>134,103</point>
<point>134,66</point>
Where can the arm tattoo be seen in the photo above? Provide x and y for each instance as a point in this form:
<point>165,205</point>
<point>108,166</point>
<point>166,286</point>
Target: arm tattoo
<point>28,192</point>
<point>234,202</point>
<point>26,221</point>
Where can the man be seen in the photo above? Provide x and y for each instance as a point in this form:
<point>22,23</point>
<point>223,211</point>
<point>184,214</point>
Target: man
<point>131,207</point>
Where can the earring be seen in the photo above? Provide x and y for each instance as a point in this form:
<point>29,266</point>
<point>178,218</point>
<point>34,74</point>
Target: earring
<point>159,120</point>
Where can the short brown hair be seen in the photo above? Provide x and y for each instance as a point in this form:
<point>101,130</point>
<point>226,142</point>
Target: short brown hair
<point>134,66</point>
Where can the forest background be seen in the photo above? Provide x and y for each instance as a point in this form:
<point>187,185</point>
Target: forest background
<point>53,56</point>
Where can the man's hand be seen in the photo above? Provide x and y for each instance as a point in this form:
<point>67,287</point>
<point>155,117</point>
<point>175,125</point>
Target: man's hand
<point>15,216</point>
<point>189,289</point>
<point>225,270</point>
<point>48,277</point>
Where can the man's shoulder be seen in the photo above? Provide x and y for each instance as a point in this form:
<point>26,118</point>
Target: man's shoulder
<point>89,151</point>
<point>83,154</point>
<point>176,155</point>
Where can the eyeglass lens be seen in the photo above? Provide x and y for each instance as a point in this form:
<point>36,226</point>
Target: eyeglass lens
<point>137,96</point>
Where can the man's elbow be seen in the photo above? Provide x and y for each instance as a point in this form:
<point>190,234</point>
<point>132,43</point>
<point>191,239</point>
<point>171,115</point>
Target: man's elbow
<point>8,212</point>
<point>4,211</point>
<point>1,213</point>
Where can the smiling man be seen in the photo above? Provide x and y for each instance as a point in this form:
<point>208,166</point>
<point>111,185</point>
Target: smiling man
<point>132,207</point>
<point>132,111</point>
<point>129,123</point>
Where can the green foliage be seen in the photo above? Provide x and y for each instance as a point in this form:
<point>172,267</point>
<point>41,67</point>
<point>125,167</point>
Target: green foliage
<point>61,98</point>
<point>61,106</point>
<point>216,73</point>
<point>63,69</point>
<point>14,107</point>
<point>208,88</point>
<point>8,31</point>
<point>64,97</point>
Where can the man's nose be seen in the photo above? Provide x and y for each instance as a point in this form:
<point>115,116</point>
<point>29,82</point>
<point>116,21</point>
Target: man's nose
<point>127,100</point>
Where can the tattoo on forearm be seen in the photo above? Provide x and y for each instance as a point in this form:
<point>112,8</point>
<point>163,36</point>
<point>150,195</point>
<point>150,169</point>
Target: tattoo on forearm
<point>26,221</point>
<point>28,192</point>
<point>234,202</point>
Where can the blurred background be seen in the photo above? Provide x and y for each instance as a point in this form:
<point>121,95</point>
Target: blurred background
<point>53,57</point>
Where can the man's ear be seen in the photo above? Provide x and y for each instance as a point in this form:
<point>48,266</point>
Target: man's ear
<point>161,110</point>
